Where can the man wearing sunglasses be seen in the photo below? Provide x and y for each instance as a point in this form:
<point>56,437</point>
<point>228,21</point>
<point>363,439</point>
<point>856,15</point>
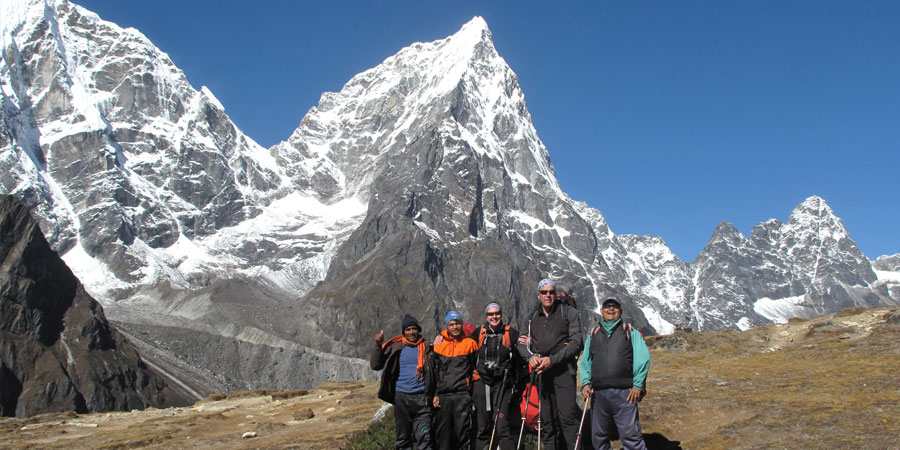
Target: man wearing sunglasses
<point>613,370</point>
<point>554,342</point>
<point>496,371</point>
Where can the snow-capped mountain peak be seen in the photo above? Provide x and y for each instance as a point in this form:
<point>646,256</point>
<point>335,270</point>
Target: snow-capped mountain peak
<point>726,233</point>
<point>459,82</point>
<point>815,214</point>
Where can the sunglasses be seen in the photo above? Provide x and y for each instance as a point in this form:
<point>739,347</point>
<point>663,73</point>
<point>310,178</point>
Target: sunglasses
<point>547,292</point>
<point>492,314</point>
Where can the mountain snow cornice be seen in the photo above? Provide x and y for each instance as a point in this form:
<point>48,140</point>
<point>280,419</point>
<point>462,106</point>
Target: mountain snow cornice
<point>421,186</point>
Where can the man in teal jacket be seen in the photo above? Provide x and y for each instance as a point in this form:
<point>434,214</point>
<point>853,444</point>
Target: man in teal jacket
<point>613,369</point>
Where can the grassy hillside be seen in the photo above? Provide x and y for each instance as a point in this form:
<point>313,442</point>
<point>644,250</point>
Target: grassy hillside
<point>830,382</point>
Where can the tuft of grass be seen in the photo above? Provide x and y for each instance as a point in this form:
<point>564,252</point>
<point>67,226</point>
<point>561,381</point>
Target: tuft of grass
<point>276,395</point>
<point>283,395</point>
<point>379,435</point>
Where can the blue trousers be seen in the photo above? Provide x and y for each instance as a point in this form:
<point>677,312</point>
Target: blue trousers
<point>611,408</point>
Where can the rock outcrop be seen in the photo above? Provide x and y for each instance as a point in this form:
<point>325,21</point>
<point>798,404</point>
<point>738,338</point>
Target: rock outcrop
<point>57,351</point>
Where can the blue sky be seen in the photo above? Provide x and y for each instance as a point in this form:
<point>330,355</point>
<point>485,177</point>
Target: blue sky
<point>667,116</point>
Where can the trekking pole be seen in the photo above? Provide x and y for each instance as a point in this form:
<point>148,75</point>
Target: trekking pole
<point>525,412</point>
<point>587,404</point>
<point>539,410</point>
<point>497,407</point>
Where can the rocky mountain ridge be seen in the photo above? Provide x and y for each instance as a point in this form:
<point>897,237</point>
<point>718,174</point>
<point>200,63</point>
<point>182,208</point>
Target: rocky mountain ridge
<point>58,351</point>
<point>421,186</point>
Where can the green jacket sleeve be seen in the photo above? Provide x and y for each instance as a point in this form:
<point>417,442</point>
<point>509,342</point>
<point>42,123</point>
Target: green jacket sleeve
<point>584,366</point>
<point>641,358</point>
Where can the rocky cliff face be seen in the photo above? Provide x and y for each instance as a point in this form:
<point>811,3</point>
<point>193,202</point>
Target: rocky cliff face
<point>58,352</point>
<point>419,187</point>
<point>132,172</point>
<point>889,263</point>
<point>463,207</point>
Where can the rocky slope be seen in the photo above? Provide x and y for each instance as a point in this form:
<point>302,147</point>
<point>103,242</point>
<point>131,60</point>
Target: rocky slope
<point>421,186</point>
<point>57,351</point>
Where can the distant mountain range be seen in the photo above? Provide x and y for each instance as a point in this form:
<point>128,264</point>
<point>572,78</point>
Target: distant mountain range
<point>419,187</point>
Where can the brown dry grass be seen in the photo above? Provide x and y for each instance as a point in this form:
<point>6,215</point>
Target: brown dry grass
<point>339,409</point>
<point>825,383</point>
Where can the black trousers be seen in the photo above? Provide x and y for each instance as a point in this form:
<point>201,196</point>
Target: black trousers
<point>453,421</point>
<point>560,415</point>
<point>412,416</point>
<point>485,419</point>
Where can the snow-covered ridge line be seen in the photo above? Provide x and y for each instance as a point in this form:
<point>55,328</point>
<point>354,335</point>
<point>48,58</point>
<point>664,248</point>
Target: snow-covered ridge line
<point>163,188</point>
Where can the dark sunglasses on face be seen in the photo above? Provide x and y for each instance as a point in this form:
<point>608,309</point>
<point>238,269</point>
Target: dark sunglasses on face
<point>492,314</point>
<point>547,292</point>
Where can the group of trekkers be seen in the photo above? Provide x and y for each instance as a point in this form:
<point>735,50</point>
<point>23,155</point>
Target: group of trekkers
<point>435,387</point>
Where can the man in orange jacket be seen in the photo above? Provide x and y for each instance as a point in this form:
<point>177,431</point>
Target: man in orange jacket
<point>453,361</point>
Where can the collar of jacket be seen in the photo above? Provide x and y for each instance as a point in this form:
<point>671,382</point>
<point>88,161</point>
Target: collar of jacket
<point>553,308</point>
<point>609,326</point>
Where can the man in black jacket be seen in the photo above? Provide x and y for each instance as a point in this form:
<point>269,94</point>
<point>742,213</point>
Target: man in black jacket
<point>498,358</point>
<point>405,383</point>
<point>554,342</point>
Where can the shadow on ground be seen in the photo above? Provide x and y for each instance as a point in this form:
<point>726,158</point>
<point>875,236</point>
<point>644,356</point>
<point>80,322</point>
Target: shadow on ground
<point>656,441</point>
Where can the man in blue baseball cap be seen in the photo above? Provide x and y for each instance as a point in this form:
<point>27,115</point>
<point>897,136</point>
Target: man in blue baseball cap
<point>453,363</point>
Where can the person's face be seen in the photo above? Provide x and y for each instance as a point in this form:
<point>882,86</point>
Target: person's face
<point>493,316</point>
<point>454,328</point>
<point>611,311</point>
<point>411,333</point>
<point>547,295</point>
